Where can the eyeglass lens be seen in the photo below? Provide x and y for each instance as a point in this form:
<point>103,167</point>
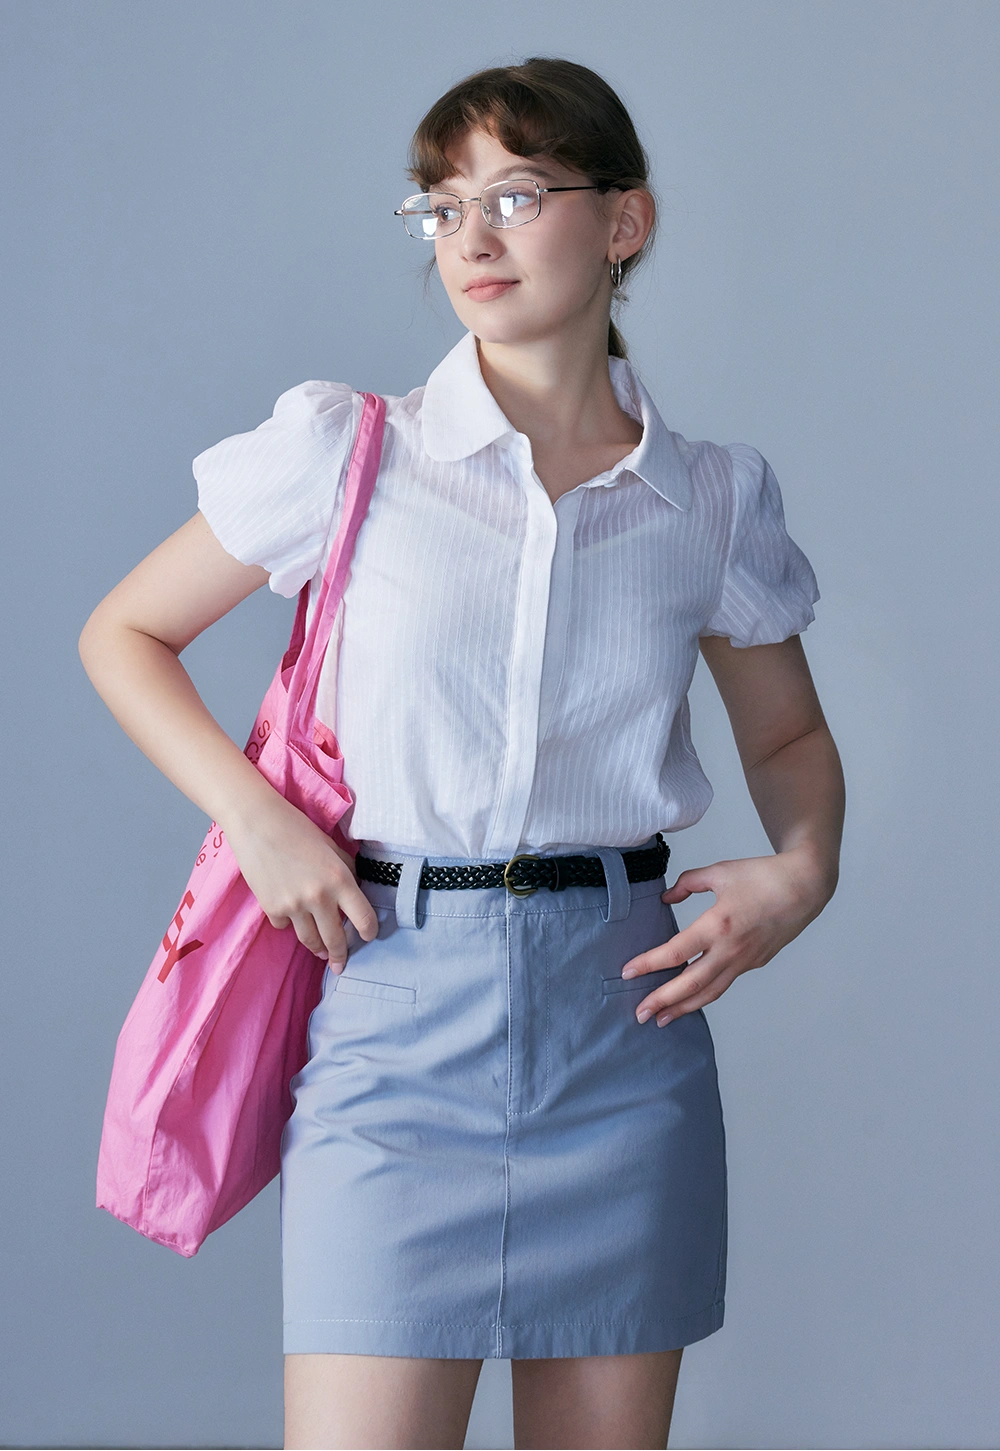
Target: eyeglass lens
<point>438,213</point>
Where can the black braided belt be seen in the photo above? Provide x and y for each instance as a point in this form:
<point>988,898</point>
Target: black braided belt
<point>524,873</point>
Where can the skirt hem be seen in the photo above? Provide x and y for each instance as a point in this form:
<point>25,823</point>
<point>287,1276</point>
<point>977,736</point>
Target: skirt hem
<point>534,1340</point>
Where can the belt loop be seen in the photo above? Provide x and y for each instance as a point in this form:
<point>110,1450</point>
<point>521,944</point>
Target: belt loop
<point>406,891</point>
<point>619,889</point>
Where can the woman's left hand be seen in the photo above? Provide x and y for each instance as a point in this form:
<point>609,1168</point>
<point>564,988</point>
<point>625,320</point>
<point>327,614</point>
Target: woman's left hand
<point>761,904</point>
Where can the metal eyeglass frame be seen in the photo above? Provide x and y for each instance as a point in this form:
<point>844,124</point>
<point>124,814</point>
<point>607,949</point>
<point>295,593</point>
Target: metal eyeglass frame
<point>463,202</point>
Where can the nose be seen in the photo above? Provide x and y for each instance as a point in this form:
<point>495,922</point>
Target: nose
<point>480,241</point>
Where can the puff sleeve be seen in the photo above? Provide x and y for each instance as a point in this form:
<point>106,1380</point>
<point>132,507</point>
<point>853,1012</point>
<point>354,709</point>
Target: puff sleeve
<point>769,587</point>
<point>274,496</point>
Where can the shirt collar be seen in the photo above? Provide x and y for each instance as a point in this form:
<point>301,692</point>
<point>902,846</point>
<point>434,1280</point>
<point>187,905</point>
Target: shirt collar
<point>460,416</point>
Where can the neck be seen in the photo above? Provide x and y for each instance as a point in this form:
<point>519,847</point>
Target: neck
<point>557,390</point>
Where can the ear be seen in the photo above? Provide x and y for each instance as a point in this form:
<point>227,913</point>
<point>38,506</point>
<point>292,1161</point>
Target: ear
<point>634,215</point>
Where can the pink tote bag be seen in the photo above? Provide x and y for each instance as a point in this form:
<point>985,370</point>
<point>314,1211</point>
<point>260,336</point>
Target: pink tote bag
<point>199,1090</point>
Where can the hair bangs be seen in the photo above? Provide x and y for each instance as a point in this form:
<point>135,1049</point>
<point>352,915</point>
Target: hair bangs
<point>514,113</point>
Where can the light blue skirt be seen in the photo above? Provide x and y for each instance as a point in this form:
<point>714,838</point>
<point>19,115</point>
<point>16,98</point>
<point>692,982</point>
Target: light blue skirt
<point>489,1156</point>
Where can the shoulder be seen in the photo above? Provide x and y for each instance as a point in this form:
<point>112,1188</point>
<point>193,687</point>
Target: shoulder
<point>318,400</point>
<point>729,465</point>
<point>309,422</point>
<point>752,475</point>
<point>316,403</point>
<point>732,478</point>
<point>321,409</point>
<point>307,419</point>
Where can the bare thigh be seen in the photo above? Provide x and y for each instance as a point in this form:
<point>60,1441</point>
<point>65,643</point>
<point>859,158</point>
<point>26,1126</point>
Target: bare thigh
<point>378,1401</point>
<point>600,1401</point>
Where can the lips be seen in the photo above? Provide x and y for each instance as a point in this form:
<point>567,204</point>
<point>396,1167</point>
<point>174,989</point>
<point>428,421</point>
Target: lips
<point>486,290</point>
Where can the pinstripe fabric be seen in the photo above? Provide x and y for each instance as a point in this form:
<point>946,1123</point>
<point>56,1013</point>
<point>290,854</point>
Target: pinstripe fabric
<point>512,675</point>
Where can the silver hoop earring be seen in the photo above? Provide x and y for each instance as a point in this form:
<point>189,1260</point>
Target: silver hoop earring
<point>616,272</point>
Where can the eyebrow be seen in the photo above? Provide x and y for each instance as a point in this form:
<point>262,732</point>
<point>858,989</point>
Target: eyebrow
<point>510,171</point>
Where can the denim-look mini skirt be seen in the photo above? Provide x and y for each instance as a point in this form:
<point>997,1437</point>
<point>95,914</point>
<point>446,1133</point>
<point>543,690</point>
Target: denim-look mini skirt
<point>488,1155</point>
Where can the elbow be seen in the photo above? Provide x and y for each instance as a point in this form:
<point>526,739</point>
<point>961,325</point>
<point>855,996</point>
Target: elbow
<point>93,630</point>
<point>96,637</point>
<point>87,645</point>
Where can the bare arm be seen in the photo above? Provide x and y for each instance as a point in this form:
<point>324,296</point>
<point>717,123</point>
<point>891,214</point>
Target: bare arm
<point>789,758</point>
<point>130,648</point>
<point>795,779</point>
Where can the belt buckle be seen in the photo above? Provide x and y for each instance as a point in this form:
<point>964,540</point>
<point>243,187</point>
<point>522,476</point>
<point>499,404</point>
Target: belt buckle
<point>520,891</point>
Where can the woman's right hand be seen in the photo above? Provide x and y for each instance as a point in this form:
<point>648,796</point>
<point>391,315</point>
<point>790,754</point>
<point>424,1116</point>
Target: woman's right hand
<point>301,878</point>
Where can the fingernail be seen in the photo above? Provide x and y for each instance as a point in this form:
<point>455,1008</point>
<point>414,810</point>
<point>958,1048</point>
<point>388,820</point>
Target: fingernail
<point>337,966</point>
<point>643,1014</point>
<point>630,971</point>
<point>663,1020</point>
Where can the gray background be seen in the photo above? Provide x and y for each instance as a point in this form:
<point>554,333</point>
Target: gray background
<point>201,218</point>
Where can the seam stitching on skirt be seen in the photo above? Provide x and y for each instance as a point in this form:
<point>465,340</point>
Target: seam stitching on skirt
<point>489,1324</point>
<point>524,1112</point>
<point>372,1320</point>
<point>660,1320</point>
<point>506,1160</point>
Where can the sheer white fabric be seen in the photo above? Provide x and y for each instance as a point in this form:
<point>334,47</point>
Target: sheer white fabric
<point>512,673</point>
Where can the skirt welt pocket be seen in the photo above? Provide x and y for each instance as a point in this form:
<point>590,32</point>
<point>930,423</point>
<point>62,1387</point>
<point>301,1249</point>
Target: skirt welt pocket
<point>363,987</point>
<point>647,981</point>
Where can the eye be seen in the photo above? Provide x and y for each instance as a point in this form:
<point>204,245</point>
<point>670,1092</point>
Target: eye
<point>512,199</point>
<point>445,212</point>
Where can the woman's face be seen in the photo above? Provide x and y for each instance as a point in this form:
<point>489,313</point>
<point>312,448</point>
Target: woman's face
<point>521,284</point>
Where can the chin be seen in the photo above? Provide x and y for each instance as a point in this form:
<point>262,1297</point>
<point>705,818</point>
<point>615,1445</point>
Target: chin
<point>490,327</point>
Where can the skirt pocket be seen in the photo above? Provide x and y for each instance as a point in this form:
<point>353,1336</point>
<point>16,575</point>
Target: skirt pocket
<point>366,988</point>
<point>645,982</point>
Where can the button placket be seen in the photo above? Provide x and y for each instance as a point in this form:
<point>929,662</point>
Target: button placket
<point>526,658</point>
<point>557,623</point>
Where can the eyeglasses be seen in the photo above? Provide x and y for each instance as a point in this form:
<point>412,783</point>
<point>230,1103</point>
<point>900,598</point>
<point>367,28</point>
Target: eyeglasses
<point>434,214</point>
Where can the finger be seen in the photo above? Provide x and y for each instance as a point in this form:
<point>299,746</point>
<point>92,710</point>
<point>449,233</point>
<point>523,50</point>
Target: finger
<point>330,925</point>
<point>356,906</point>
<point>676,893</point>
<point>308,933</point>
<point>700,983</point>
<point>345,903</point>
<point>695,879</point>
<point>343,892</point>
<point>675,952</point>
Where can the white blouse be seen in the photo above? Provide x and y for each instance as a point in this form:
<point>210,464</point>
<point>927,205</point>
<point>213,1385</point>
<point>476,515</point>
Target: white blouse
<point>512,674</point>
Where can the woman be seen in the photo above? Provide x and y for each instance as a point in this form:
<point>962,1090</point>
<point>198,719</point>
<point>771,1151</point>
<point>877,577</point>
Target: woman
<point>508,1139</point>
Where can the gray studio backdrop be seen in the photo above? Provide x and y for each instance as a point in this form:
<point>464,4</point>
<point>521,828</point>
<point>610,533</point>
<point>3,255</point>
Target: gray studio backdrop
<point>199,216</point>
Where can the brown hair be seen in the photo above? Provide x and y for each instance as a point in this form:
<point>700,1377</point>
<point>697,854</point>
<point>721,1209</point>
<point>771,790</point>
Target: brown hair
<point>543,107</point>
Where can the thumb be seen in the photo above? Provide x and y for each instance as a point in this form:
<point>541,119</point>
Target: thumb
<point>695,879</point>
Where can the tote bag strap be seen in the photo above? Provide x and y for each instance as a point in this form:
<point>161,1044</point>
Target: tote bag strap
<point>361,475</point>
